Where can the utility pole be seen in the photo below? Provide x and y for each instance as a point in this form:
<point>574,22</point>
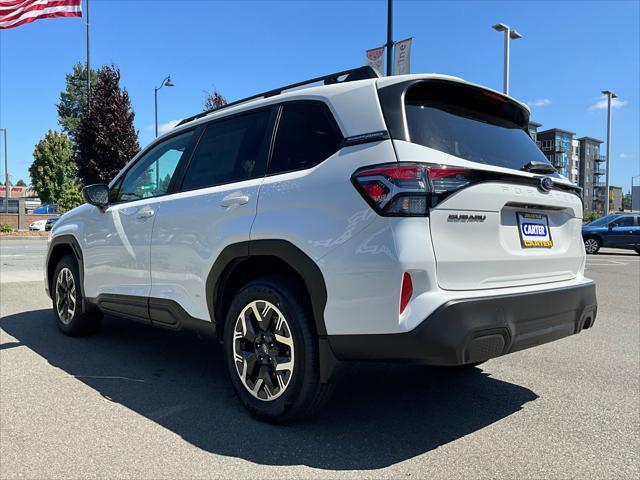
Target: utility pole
<point>389,37</point>
<point>508,36</point>
<point>6,172</point>
<point>610,96</point>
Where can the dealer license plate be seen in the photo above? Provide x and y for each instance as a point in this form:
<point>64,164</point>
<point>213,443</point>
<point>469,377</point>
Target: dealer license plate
<point>534,230</point>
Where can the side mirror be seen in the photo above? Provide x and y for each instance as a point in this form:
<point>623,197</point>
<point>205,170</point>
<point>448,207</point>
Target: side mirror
<point>611,225</point>
<point>97,194</point>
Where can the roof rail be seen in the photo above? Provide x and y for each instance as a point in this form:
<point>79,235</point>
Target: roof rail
<point>353,74</point>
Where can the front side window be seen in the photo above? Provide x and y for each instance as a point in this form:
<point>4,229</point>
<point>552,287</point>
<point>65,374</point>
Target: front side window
<point>470,123</point>
<point>230,151</point>
<point>623,222</point>
<point>306,136</point>
<point>151,175</point>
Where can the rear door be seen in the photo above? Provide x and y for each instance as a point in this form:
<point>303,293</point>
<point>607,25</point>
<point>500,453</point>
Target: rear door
<point>214,207</point>
<point>492,223</point>
<point>622,232</point>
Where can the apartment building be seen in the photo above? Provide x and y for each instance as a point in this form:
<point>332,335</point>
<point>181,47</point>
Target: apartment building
<point>578,159</point>
<point>592,174</point>
<point>533,130</point>
<point>557,146</point>
<point>615,199</point>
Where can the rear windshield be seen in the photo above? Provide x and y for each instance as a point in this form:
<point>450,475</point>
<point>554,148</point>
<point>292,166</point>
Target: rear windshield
<point>470,123</point>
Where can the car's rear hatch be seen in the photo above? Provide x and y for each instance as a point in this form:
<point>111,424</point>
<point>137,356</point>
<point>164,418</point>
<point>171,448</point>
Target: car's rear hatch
<point>493,224</point>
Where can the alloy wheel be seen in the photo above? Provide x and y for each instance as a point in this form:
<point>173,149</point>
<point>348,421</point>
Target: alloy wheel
<point>591,245</point>
<point>263,350</point>
<point>65,295</point>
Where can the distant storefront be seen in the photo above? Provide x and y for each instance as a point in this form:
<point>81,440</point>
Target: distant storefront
<point>18,192</point>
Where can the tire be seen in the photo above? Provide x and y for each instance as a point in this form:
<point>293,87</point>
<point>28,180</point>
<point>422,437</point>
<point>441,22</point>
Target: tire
<point>271,352</point>
<point>592,245</point>
<point>66,294</point>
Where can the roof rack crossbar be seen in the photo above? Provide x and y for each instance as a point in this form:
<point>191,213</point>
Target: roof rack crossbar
<point>353,74</point>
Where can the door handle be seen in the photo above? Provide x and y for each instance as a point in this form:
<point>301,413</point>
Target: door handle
<point>145,213</point>
<point>234,200</point>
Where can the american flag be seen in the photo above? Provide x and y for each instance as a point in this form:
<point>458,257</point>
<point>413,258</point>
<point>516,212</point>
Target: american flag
<point>14,13</point>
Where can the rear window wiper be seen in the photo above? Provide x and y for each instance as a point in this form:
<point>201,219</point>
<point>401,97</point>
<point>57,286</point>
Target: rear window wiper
<point>538,167</point>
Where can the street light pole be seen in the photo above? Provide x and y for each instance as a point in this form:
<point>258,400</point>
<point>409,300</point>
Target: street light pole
<point>610,96</point>
<point>508,36</point>
<point>389,37</point>
<point>165,81</point>
<point>6,172</point>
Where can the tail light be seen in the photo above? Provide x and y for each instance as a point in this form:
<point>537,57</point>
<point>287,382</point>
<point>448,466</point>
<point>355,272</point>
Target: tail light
<point>408,189</point>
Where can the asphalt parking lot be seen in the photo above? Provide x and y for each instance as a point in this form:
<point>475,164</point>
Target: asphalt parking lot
<point>138,402</point>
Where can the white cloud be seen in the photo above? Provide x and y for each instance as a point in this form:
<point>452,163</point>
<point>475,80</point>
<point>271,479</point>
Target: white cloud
<point>602,103</point>
<point>164,127</point>
<point>624,155</point>
<point>539,102</point>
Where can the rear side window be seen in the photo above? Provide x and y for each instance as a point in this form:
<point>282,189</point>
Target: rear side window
<point>307,135</point>
<point>230,151</point>
<point>470,123</point>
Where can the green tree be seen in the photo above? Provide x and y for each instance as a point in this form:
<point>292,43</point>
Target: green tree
<point>53,168</point>
<point>626,201</point>
<point>70,198</point>
<point>74,99</point>
<point>213,101</point>
<point>20,183</point>
<point>106,138</point>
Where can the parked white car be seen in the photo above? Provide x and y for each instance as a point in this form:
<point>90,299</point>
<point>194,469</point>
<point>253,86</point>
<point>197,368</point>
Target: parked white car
<point>407,218</point>
<point>38,225</point>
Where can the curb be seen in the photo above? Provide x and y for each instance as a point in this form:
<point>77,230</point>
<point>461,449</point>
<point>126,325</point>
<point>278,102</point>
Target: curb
<point>26,237</point>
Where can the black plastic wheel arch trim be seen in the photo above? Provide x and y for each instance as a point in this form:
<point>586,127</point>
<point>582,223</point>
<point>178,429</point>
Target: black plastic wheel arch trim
<point>282,249</point>
<point>71,242</point>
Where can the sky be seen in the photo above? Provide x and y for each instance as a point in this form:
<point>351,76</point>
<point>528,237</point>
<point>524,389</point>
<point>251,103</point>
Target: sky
<point>569,53</point>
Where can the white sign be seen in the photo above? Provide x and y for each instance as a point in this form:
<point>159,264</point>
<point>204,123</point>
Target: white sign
<point>401,57</point>
<point>375,59</point>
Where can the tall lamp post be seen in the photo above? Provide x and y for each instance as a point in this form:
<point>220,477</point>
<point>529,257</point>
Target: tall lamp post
<point>6,172</point>
<point>389,37</point>
<point>610,96</point>
<point>508,36</point>
<point>165,81</point>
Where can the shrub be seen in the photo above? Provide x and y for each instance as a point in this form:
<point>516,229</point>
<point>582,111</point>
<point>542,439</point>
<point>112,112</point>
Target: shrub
<point>4,228</point>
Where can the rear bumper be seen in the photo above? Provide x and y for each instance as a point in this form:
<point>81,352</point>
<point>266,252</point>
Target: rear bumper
<point>477,329</point>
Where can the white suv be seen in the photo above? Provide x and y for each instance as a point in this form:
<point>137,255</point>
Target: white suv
<point>407,218</point>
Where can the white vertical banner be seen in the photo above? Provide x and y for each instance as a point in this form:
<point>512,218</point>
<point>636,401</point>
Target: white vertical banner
<point>402,57</point>
<point>375,59</point>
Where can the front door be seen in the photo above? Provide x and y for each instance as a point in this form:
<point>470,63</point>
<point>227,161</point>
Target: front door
<point>117,249</point>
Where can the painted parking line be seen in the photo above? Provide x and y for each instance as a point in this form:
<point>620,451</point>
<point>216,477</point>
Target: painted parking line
<point>21,276</point>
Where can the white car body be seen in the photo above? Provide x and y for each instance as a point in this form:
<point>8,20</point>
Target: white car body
<point>38,225</point>
<point>167,248</point>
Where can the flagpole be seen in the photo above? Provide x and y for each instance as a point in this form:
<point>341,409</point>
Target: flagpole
<point>88,56</point>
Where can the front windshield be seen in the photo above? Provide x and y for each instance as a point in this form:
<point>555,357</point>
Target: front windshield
<point>601,222</point>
